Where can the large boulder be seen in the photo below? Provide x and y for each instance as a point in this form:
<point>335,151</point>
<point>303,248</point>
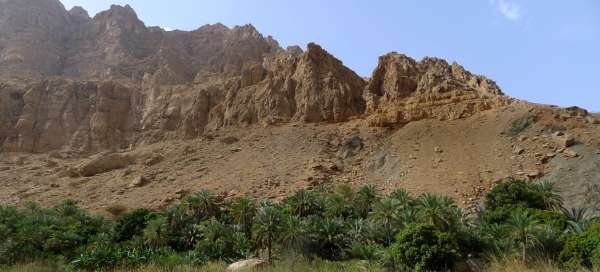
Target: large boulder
<point>104,163</point>
<point>246,265</point>
<point>563,140</point>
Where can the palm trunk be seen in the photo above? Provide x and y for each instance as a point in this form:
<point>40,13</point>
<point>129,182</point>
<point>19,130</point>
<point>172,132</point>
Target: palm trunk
<point>524,251</point>
<point>269,251</point>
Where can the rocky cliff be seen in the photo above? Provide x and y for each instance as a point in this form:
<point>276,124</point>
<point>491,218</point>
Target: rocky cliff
<point>93,109</point>
<point>71,82</point>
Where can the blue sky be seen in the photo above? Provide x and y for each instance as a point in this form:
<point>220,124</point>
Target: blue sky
<point>545,51</point>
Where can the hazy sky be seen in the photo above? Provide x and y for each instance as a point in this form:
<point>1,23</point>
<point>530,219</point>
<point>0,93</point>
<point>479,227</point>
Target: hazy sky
<point>545,51</point>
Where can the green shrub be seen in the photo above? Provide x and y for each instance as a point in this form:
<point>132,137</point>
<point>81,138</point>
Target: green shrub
<point>514,193</point>
<point>98,258</point>
<point>132,224</point>
<point>424,248</point>
<point>582,249</point>
<point>556,220</point>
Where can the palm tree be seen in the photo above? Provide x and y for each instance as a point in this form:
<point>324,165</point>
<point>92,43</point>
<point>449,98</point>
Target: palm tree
<point>336,206</point>
<point>293,233</point>
<point>267,227</point>
<point>575,214</point>
<point>302,203</point>
<point>523,228</point>
<point>404,199</point>
<point>495,234</point>
<point>358,230</point>
<point>243,211</point>
<point>155,232</point>
<point>435,210</point>
<point>385,213</point>
<point>550,194</point>
<point>365,197</point>
<point>330,236</point>
<point>203,204</point>
<point>578,219</point>
<point>458,219</point>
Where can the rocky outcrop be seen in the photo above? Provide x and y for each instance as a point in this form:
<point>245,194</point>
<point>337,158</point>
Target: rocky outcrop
<point>32,35</point>
<point>84,116</point>
<point>103,163</point>
<point>39,38</point>
<point>403,90</point>
<point>71,82</point>
<point>311,87</point>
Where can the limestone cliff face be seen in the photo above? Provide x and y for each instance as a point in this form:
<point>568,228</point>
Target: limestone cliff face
<point>83,116</point>
<point>71,82</point>
<point>403,90</point>
<point>32,36</point>
<point>288,86</point>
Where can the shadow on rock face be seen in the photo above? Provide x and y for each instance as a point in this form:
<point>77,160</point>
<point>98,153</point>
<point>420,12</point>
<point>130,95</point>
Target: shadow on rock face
<point>578,178</point>
<point>350,147</point>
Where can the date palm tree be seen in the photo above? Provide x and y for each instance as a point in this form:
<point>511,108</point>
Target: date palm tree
<point>385,214</point>
<point>403,197</point>
<point>550,194</point>
<point>203,205</point>
<point>435,210</point>
<point>293,233</point>
<point>364,200</point>
<point>267,228</point>
<point>243,210</point>
<point>302,203</point>
<point>523,228</point>
<point>330,236</point>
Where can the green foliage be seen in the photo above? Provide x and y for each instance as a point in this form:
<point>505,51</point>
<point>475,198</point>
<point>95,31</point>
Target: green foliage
<point>35,232</point>
<point>222,241</point>
<point>399,231</point>
<point>515,193</point>
<point>582,249</point>
<point>267,227</point>
<point>132,224</point>
<point>424,248</point>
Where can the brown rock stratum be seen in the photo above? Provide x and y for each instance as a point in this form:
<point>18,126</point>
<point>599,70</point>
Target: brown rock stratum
<point>106,111</point>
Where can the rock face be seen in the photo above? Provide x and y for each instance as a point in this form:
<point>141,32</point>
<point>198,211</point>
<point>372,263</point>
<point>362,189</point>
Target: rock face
<point>71,82</point>
<point>81,115</point>
<point>403,90</point>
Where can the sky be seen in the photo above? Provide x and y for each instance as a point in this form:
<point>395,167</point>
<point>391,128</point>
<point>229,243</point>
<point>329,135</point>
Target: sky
<point>544,51</point>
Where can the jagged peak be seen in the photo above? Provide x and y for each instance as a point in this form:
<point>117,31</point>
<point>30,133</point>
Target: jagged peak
<point>212,27</point>
<point>79,12</point>
<point>316,52</point>
<point>118,11</point>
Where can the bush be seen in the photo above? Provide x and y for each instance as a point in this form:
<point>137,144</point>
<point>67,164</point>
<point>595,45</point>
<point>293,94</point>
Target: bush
<point>515,193</point>
<point>98,258</point>
<point>132,224</point>
<point>582,249</point>
<point>424,248</point>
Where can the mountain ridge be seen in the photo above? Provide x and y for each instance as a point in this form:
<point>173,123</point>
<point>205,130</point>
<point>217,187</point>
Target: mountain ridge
<point>89,104</point>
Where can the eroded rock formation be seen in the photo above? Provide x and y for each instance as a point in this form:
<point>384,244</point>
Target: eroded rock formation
<point>86,84</point>
<point>403,90</point>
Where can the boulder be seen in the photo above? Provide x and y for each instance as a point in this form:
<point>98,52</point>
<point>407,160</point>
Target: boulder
<point>563,140</point>
<point>247,265</point>
<point>104,163</point>
<point>138,181</point>
<point>570,153</point>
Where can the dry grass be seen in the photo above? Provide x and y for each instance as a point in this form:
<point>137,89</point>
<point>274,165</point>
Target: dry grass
<point>511,264</point>
<point>287,265</point>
